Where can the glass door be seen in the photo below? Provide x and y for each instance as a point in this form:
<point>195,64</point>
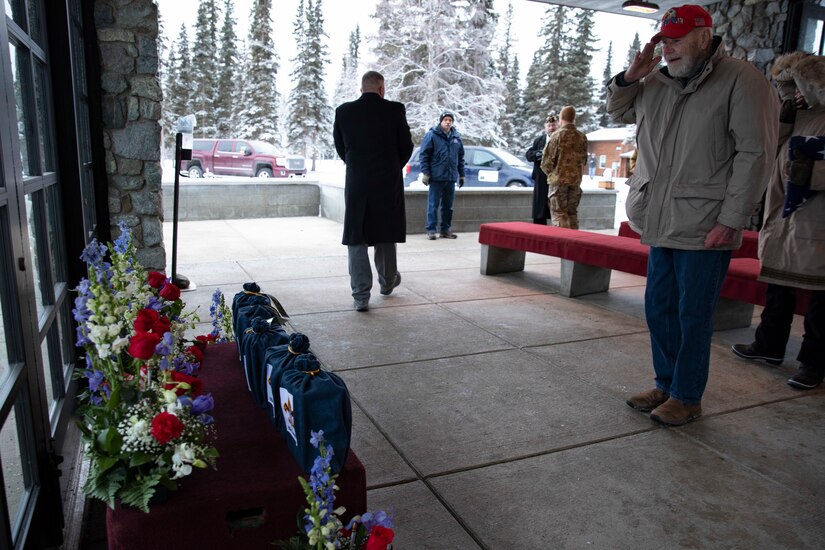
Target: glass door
<point>36,351</point>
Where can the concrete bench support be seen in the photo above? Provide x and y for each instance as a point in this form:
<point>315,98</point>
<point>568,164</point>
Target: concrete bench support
<point>732,314</point>
<point>578,279</point>
<point>496,260</point>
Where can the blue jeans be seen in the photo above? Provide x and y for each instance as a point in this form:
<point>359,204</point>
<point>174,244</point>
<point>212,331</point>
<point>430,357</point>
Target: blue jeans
<point>682,290</point>
<point>443,193</point>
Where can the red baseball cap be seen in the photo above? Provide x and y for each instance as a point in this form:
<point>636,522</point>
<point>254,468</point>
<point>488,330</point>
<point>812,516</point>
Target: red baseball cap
<point>677,22</point>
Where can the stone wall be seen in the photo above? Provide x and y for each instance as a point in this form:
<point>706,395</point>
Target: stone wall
<point>127,33</point>
<point>752,29</point>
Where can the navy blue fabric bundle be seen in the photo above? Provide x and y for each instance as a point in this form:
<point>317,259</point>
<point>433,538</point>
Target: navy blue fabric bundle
<point>312,400</point>
<point>276,361</point>
<point>248,296</point>
<point>260,336</point>
<point>244,318</point>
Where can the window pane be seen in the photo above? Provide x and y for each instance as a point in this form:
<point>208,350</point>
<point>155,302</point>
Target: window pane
<point>16,9</point>
<point>5,333</point>
<point>44,118</point>
<point>35,22</point>
<point>33,206</point>
<point>54,234</point>
<point>810,35</point>
<point>13,475</point>
<point>20,70</point>
<point>47,367</point>
<point>67,339</point>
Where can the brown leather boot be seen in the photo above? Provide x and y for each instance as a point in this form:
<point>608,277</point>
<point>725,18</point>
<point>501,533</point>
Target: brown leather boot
<point>647,401</point>
<point>675,413</point>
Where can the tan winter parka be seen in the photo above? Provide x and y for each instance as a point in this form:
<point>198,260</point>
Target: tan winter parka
<point>792,249</point>
<point>705,149</point>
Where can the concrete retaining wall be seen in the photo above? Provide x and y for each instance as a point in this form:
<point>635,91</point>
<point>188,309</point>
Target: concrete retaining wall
<point>225,199</point>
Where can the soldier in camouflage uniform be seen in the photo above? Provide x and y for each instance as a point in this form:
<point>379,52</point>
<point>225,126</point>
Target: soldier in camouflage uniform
<point>563,159</point>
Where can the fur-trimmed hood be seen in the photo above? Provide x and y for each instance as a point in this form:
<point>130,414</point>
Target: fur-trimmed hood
<point>801,70</point>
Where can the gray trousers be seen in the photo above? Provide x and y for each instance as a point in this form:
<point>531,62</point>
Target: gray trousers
<point>360,273</point>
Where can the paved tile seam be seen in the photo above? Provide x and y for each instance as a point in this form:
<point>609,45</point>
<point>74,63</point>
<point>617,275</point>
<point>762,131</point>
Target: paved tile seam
<point>419,477</point>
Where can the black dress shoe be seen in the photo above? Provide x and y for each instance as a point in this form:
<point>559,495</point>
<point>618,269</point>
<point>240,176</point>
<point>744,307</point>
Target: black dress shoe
<point>749,351</point>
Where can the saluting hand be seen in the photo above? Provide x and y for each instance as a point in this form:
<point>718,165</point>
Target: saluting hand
<point>643,64</point>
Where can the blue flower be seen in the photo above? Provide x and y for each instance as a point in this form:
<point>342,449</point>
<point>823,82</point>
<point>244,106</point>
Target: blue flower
<point>164,347</point>
<point>316,438</point>
<point>205,419</point>
<point>121,244</point>
<point>203,403</point>
<point>93,253</point>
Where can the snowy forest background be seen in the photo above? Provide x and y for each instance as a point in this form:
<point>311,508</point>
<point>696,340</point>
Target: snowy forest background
<point>469,67</point>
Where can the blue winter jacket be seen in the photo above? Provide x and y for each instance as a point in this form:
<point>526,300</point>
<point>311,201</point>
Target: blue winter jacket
<point>442,155</point>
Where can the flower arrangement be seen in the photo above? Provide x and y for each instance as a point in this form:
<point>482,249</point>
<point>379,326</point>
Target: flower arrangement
<point>323,530</point>
<point>144,416</point>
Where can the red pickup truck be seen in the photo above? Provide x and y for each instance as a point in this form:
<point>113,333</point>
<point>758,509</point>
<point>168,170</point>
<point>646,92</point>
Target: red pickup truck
<point>239,157</point>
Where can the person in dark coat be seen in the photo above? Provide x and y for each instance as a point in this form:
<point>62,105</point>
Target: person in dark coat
<point>373,138</point>
<point>540,189</point>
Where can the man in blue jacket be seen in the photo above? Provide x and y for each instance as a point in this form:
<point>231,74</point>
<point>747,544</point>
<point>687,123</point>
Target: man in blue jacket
<point>442,164</point>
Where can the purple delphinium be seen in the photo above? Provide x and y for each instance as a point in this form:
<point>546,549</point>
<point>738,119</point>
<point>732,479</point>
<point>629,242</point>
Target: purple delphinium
<point>180,364</point>
<point>215,312</point>
<point>121,244</point>
<point>98,388</point>
<point>164,347</point>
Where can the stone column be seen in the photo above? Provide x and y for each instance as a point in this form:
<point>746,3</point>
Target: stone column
<point>127,32</point>
<point>752,29</point>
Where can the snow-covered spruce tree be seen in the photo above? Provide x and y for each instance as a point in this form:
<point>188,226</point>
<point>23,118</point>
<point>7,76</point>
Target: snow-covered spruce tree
<point>542,94</point>
<point>167,121</point>
<point>508,68</point>
<point>227,91</point>
<point>258,117</point>
<point>635,46</point>
<point>577,88</point>
<point>601,113</point>
<point>205,68</point>
<point>480,103</point>
<point>422,51</point>
<point>310,116</point>
<point>177,93</point>
<point>348,86</point>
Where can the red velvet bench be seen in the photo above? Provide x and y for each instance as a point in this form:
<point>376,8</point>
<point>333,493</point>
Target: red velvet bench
<point>252,499</point>
<point>749,248</point>
<point>587,260</point>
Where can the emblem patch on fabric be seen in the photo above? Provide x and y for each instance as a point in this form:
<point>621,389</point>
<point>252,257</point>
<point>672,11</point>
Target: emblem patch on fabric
<point>246,374</point>
<point>269,396</point>
<point>288,411</point>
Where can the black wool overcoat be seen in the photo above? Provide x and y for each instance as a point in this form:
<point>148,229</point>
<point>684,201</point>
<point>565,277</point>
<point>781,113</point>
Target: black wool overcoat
<point>540,189</point>
<point>373,138</point>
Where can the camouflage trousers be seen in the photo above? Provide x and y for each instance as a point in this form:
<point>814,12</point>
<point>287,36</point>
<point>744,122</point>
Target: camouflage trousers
<point>563,203</point>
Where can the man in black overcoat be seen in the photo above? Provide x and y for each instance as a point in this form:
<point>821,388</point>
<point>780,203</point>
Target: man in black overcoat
<point>373,138</point>
<point>540,189</point>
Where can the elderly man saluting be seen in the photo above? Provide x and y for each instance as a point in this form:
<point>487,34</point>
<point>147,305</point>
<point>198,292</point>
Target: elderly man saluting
<point>706,137</point>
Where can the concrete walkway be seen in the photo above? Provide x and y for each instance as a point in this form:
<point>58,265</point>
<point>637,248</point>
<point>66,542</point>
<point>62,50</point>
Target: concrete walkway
<point>489,411</point>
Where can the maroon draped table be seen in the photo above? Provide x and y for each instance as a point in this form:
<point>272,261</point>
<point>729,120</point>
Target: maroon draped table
<point>252,499</point>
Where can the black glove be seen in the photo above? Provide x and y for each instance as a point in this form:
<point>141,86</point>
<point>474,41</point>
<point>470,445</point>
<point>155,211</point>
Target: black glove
<point>787,113</point>
<point>461,182</point>
<point>800,169</point>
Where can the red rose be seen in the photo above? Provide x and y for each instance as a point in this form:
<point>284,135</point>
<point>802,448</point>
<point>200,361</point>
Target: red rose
<point>170,292</point>
<point>195,384</point>
<point>156,279</point>
<point>149,320</point>
<point>195,352</point>
<point>145,320</point>
<point>166,427</point>
<point>380,538</point>
<point>205,339</point>
<point>142,345</point>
